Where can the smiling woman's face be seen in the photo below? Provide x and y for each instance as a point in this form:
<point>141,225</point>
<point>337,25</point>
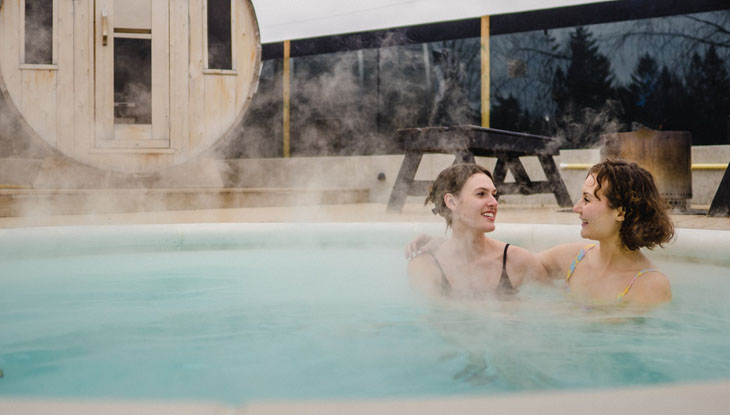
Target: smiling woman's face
<point>476,205</point>
<point>598,220</point>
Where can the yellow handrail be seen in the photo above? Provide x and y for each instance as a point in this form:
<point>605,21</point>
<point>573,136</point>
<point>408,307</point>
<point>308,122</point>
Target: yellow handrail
<point>695,166</point>
<point>14,186</point>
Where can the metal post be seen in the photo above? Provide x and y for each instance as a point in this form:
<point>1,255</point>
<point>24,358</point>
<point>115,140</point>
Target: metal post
<point>286,93</point>
<point>485,71</point>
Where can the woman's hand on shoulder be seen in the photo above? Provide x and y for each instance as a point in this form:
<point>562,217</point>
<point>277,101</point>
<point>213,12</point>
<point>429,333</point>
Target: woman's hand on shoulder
<point>420,244</point>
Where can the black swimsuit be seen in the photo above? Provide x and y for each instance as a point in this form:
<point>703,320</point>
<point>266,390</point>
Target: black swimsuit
<point>504,286</point>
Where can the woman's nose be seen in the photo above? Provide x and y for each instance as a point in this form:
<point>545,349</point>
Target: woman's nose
<point>577,206</point>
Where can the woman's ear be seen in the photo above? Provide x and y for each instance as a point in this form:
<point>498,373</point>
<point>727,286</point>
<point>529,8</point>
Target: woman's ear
<point>450,201</point>
<point>621,214</point>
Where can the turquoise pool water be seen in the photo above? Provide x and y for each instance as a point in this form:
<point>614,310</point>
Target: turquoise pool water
<point>299,322</point>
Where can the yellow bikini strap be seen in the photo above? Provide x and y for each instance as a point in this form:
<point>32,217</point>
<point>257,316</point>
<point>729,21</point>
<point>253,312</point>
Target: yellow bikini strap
<point>577,259</point>
<point>620,297</point>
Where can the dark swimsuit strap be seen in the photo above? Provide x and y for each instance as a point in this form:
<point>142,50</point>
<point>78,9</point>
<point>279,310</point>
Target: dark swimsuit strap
<point>445,284</point>
<point>504,286</point>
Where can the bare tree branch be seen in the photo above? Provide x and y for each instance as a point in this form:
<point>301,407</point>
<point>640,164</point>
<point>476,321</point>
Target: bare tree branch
<point>705,40</point>
<point>720,29</point>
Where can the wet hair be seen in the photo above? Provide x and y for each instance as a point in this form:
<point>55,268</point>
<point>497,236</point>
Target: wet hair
<point>626,185</point>
<point>451,180</point>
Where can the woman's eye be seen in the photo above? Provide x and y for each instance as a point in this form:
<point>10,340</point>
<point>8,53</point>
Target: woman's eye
<point>480,194</point>
<point>585,199</point>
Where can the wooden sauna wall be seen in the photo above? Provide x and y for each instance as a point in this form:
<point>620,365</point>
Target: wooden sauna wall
<point>57,101</point>
<point>218,98</point>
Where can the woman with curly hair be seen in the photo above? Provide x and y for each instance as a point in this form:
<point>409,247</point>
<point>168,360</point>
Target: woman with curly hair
<point>621,209</point>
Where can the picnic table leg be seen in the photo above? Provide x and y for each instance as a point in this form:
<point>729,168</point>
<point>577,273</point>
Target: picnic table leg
<point>556,181</point>
<point>464,156</point>
<point>514,165</point>
<point>403,182</point>
<point>499,174</point>
<point>721,202</point>
<point>522,185</point>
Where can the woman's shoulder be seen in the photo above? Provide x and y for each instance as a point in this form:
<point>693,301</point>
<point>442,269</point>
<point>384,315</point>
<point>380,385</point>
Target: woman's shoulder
<point>650,287</point>
<point>519,253</point>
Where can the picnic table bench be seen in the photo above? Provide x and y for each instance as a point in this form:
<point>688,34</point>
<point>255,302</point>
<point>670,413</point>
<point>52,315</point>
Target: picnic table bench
<point>468,141</point>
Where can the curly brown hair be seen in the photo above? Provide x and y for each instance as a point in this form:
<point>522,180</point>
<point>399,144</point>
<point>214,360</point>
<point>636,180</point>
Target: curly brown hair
<point>451,180</point>
<point>632,188</point>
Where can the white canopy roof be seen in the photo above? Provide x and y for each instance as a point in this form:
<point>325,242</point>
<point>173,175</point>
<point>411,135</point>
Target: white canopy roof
<point>297,19</point>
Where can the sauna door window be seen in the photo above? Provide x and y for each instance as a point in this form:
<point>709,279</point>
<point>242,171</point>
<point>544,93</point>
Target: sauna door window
<point>132,74</point>
<point>218,30</point>
<point>38,39</point>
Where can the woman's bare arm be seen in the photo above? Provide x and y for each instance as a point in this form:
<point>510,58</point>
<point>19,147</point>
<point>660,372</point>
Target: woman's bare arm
<point>557,259</point>
<point>424,275</point>
<point>524,265</point>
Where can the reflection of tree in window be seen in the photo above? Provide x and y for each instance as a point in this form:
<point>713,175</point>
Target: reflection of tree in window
<point>38,31</point>
<point>219,34</point>
<point>132,81</point>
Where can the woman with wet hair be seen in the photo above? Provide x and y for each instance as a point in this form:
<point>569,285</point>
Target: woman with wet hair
<point>468,263</point>
<point>621,209</point>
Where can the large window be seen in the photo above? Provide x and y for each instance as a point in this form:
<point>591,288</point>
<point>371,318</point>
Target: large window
<point>576,83</point>
<point>668,73</point>
<point>38,32</point>
<point>219,35</point>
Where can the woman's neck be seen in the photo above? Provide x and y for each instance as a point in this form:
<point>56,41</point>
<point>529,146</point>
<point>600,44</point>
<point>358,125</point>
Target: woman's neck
<point>614,254</point>
<point>470,242</point>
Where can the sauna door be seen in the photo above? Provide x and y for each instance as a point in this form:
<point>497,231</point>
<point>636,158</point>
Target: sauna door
<point>131,74</point>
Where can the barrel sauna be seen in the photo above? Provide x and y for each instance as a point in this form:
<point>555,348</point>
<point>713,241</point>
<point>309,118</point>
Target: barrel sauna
<point>129,85</point>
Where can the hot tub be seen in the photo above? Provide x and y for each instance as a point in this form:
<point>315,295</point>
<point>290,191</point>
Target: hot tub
<point>242,313</point>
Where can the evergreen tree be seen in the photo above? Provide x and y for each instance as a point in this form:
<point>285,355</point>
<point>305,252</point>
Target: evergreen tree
<point>655,99</point>
<point>582,91</point>
<point>671,101</point>
<point>507,114</point>
<point>640,98</point>
<point>708,86</point>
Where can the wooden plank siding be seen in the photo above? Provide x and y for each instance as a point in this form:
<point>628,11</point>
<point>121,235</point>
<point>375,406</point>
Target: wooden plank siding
<point>38,101</point>
<point>179,88</point>
<point>160,70</point>
<point>10,57</point>
<point>246,46</point>
<point>104,78</point>
<point>197,81</point>
<point>220,104</point>
<point>64,41</point>
<point>83,64</point>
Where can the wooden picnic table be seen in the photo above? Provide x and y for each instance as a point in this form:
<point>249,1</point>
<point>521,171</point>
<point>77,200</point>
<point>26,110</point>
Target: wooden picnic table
<point>720,206</point>
<point>468,141</point>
